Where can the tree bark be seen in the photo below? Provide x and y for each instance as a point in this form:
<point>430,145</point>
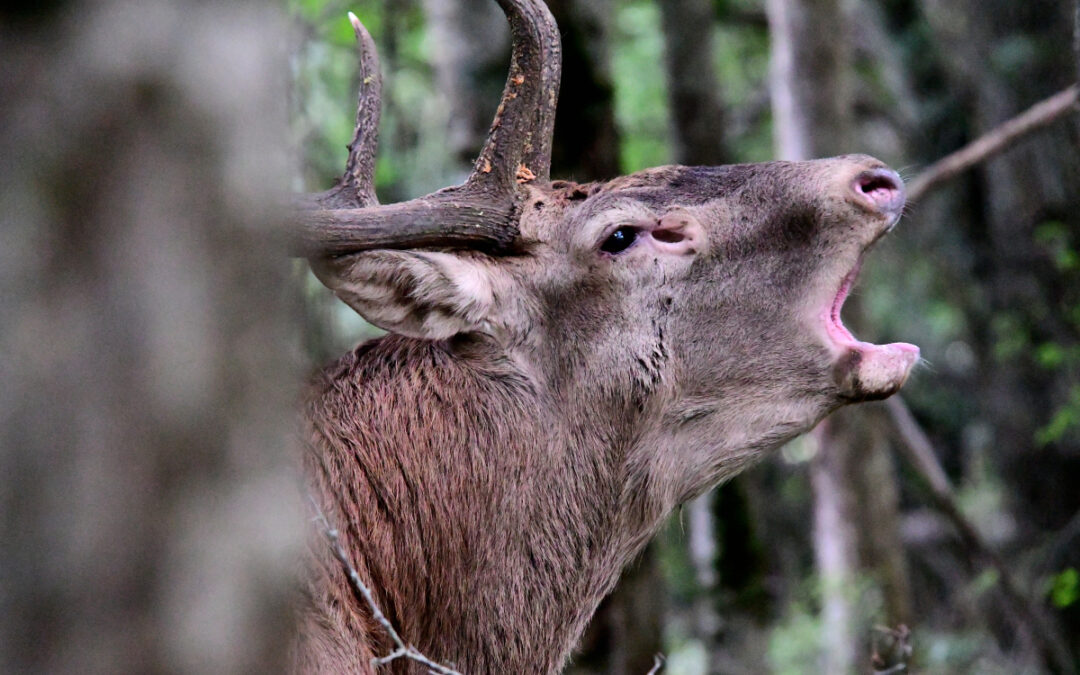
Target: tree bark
<point>811,82</point>
<point>150,518</point>
<point>835,550</point>
<point>702,549</point>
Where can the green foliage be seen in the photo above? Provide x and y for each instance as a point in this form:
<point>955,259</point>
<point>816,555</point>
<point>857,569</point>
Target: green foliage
<point>1065,588</point>
<point>986,581</point>
<point>795,642</point>
<point>1062,246</point>
<point>1012,338</point>
<point>1013,55</point>
<point>640,97</point>
<point>798,639</point>
<point>322,71</point>
<point>1064,420</point>
<point>675,564</point>
<point>1057,239</point>
<point>954,653</point>
<point>741,60</point>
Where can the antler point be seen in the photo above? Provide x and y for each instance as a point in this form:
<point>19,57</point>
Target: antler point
<point>357,26</point>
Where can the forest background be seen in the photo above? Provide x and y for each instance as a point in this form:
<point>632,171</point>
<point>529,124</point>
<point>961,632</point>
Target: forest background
<point>153,336</point>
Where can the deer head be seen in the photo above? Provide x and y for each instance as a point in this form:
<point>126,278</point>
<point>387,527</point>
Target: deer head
<point>703,303</point>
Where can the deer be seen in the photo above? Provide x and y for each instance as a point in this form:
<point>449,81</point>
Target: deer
<point>564,365</point>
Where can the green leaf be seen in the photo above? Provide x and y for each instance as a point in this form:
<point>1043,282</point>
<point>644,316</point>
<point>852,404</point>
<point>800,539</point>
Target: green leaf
<point>1065,589</point>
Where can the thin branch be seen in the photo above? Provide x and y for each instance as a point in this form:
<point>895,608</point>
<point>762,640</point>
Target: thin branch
<point>916,448</point>
<point>993,142</point>
<point>401,650</point>
<point>657,664</point>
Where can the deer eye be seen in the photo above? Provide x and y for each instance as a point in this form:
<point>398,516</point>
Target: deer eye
<point>620,240</point>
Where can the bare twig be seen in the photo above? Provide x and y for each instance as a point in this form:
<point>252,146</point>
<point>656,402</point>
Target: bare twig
<point>657,664</point>
<point>916,448</point>
<point>993,142</point>
<point>401,650</point>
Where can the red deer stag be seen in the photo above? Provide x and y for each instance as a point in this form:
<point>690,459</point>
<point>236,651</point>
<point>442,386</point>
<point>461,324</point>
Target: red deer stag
<point>566,364</point>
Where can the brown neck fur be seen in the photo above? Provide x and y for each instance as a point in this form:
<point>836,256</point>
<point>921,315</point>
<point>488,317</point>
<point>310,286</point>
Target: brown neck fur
<point>488,532</point>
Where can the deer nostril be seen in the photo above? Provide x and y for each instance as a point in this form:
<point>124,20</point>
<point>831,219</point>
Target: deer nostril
<point>882,187</point>
<point>668,236</point>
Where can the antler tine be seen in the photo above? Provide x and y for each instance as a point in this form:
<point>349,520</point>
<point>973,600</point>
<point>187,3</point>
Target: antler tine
<point>518,146</point>
<point>360,167</point>
<point>356,187</point>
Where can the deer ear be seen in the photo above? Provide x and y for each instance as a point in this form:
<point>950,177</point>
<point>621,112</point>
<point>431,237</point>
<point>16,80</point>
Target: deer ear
<point>422,294</point>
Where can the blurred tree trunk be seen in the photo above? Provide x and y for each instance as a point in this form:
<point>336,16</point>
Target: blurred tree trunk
<point>852,479</point>
<point>471,47</point>
<point>693,90</point>
<point>149,516</point>
<point>812,83</point>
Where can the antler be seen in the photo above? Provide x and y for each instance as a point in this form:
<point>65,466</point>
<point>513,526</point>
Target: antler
<point>481,213</point>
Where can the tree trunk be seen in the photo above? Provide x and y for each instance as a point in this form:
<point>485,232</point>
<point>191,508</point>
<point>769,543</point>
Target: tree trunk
<point>811,79</point>
<point>150,518</point>
<point>835,550</point>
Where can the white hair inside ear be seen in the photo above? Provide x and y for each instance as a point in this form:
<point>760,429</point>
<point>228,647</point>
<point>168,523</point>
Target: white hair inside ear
<point>421,294</point>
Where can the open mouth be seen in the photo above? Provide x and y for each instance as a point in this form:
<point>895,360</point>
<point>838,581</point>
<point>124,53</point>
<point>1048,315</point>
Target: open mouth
<point>834,325</point>
<point>864,370</point>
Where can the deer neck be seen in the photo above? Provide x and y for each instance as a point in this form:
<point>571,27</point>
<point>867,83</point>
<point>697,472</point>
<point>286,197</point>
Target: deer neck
<point>491,546</point>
